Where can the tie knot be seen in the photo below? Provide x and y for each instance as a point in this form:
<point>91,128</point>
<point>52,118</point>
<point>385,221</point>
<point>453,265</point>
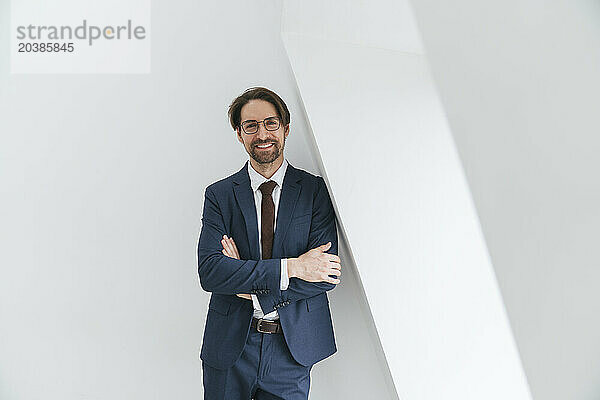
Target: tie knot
<point>267,187</point>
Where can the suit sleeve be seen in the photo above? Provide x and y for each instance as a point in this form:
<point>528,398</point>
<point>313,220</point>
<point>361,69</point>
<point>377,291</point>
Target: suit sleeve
<point>322,230</point>
<point>225,275</point>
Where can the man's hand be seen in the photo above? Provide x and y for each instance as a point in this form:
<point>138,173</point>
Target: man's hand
<point>229,247</point>
<point>230,250</point>
<point>315,265</point>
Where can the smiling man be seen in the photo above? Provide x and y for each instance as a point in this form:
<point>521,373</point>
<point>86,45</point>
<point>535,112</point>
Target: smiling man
<point>268,253</point>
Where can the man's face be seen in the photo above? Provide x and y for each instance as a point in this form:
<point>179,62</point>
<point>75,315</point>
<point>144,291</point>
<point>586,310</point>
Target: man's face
<point>259,110</point>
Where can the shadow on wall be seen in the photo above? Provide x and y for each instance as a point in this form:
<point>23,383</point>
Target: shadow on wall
<point>360,357</point>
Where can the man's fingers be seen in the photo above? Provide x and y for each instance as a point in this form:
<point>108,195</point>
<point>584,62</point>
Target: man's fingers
<point>333,257</point>
<point>224,242</point>
<point>335,265</point>
<point>325,247</point>
<point>229,247</point>
<point>227,244</point>
<point>335,272</point>
<point>332,280</point>
<point>234,247</point>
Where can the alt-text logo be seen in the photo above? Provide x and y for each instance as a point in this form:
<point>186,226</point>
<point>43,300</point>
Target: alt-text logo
<point>85,31</point>
<point>113,37</point>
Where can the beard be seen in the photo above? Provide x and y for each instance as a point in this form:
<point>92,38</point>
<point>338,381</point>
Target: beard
<point>266,157</point>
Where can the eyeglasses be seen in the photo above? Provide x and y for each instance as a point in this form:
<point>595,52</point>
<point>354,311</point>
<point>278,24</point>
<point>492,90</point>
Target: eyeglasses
<point>251,126</point>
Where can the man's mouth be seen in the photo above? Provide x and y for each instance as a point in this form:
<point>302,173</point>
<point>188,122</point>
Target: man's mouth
<point>264,146</point>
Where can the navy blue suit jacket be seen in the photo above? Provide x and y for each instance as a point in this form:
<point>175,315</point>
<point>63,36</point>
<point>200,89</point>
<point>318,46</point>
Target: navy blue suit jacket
<point>305,220</point>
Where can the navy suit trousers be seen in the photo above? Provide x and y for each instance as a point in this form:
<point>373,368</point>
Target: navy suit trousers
<point>266,370</point>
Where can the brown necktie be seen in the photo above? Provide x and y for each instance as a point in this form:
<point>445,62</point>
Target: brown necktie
<point>267,218</point>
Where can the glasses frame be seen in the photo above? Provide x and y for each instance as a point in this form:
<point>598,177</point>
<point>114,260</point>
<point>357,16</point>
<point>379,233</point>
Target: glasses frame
<point>258,125</point>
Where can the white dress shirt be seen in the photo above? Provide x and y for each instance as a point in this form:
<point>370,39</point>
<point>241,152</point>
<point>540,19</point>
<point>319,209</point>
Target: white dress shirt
<point>256,179</point>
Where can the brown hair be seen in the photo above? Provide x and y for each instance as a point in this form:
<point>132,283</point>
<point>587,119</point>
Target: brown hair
<point>257,93</point>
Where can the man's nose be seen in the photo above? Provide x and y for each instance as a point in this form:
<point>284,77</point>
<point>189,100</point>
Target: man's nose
<point>262,133</point>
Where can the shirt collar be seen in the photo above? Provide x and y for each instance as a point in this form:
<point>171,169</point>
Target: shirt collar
<point>257,179</point>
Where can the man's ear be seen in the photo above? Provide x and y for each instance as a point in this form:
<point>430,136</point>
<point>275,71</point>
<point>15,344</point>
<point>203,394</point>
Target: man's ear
<point>286,130</point>
<point>239,135</point>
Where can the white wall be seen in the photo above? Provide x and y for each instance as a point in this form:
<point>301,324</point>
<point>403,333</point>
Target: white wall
<point>520,82</point>
<point>102,183</point>
<point>102,177</point>
<point>403,202</point>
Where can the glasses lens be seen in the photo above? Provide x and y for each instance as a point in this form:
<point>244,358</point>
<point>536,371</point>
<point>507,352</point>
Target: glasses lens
<point>272,123</point>
<point>250,126</point>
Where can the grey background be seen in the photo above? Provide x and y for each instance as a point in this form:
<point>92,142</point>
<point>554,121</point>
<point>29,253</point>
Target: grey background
<point>102,184</point>
<point>520,83</point>
<point>102,177</point>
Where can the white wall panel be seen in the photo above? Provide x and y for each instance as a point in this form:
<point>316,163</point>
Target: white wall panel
<point>520,83</point>
<point>407,215</point>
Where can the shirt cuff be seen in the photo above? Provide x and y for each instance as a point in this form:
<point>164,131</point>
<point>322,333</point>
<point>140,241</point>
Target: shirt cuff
<point>255,302</point>
<point>285,280</point>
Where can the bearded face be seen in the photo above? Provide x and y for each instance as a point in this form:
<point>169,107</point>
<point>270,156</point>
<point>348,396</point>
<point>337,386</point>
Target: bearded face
<point>266,145</point>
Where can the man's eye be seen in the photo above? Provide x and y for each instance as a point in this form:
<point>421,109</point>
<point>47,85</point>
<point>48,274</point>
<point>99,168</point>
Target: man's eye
<point>271,124</point>
<point>251,125</point>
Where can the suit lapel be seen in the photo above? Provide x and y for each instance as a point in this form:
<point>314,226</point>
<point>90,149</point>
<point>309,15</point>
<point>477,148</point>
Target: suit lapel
<point>290,191</point>
<point>245,199</point>
<point>288,198</point>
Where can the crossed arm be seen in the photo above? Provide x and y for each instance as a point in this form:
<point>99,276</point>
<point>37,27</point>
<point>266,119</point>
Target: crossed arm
<point>313,266</point>
<point>322,231</point>
<point>311,273</point>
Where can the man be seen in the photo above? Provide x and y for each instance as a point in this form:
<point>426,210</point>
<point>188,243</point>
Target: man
<point>268,253</point>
